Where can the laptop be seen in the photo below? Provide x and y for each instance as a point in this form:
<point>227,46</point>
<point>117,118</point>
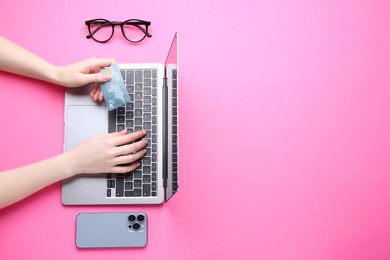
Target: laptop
<point>153,90</point>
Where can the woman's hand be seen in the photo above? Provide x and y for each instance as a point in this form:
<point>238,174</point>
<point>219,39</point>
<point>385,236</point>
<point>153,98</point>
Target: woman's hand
<point>108,153</point>
<point>82,73</point>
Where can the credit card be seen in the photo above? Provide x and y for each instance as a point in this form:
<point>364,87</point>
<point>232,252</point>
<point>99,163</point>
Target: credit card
<point>114,91</point>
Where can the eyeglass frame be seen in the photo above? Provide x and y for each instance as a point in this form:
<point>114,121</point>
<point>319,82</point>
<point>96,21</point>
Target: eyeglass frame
<point>135,22</point>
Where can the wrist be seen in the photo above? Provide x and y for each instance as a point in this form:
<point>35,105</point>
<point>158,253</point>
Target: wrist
<point>53,74</point>
<point>69,164</point>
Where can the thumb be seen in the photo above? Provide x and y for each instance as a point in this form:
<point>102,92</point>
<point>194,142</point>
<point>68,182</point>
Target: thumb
<point>96,77</point>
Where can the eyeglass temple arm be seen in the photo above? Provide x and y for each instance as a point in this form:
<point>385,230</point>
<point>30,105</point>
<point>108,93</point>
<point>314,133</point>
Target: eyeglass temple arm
<point>142,29</point>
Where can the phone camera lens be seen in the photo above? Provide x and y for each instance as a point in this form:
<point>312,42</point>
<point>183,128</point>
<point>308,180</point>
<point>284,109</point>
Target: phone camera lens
<point>131,218</point>
<point>136,226</point>
<point>141,218</point>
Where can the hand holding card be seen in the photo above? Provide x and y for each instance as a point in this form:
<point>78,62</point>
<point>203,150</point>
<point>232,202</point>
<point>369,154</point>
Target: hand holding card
<point>114,91</point>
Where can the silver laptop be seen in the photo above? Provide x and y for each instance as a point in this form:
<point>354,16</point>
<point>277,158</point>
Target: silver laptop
<point>153,89</point>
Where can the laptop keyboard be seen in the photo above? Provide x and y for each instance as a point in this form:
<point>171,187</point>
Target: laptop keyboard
<point>140,113</point>
<point>174,132</point>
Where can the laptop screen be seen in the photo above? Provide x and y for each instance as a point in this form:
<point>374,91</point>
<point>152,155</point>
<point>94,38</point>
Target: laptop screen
<point>172,134</point>
<point>172,56</point>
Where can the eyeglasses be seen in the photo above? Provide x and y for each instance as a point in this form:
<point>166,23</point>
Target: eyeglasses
<point>102,30</point>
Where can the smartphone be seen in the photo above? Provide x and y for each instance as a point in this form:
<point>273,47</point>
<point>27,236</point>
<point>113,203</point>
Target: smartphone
<point>111,229</point>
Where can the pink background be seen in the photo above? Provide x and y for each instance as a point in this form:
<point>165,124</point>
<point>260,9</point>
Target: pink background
<point>284,127</point>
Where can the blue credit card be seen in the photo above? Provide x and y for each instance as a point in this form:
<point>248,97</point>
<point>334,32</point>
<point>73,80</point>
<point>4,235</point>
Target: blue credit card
<point>114,91</point>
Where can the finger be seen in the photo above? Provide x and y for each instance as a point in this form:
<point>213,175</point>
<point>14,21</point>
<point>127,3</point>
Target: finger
<point>96,77</point>
<point>126,139</point>
<point>125,169</point>
<point>92,93</point>
<point>130,148</point>
<point>115,135</point>
<point>100,95</point>
<point>95,65</point>
<point>129,158</point>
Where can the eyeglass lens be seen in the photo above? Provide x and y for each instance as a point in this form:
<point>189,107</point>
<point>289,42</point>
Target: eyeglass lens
<point>134,31</point>
<point>102,30</point>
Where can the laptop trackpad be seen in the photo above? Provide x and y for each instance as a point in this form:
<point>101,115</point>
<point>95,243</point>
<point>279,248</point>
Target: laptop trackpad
<point>83,122</point>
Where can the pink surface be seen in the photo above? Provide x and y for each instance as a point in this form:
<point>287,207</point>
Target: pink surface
<point>284,130</point>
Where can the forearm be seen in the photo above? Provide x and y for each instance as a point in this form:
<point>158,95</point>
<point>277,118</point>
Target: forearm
<point>19,183</point>
<point>16,59</point>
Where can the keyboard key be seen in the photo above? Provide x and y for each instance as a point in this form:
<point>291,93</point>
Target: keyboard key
<point>147,82</point>
<point>147,108</point>
<point>128,185</point>
<point>138,87</point>
<point>146,179</point>
<point>147,91</point>
<point>129,123</point>
<point>138,104</point>
<point>146,190</point>
<point>146,170</point>
<point>137,174</point>
<point>147,74</point>
<point>119,187</point>
<point>137,183</point>
<point>129,114</point>
<point>146,160</point>
<point>147,100</point>
<point>147,126</point>
<point>130,77</point>
<point>130,89</point>
<point>120,127</point>
<point>138,112</point>
<point>120,111</point>
<point>147,117</point>
<point>110,184</point>
<point>133,193</point>
<point>138,121</point>
<point>129,176</point>
<point>138,76</point>
<point>129,106</point>
<point>120,119</point>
